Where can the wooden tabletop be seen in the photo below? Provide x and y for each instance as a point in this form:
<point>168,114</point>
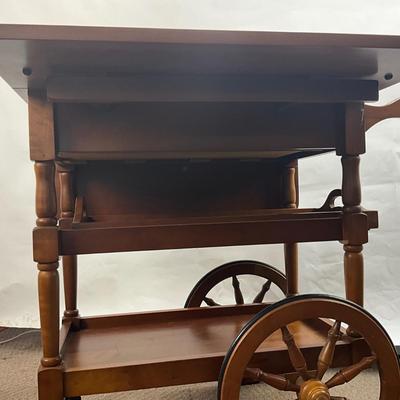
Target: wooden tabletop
<point>29,54</point>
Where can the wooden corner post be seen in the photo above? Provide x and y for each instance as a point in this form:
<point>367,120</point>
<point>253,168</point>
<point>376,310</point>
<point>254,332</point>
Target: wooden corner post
<point>355,223</point>
<point>45,240</point>
<point>290,200</point>
<point>65,173</point>
<point>46,244</point>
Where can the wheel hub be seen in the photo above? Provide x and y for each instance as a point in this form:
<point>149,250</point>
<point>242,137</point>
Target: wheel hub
<point>314,389</point>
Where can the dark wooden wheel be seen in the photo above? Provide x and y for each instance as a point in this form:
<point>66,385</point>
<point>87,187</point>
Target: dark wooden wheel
<point>232,270</point>
<point>277,317</point>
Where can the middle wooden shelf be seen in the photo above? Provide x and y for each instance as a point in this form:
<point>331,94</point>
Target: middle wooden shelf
<point>133,233</point>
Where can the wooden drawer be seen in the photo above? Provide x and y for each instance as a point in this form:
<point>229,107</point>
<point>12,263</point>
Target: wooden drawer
<point>194,130</point>
<point>174,187</point>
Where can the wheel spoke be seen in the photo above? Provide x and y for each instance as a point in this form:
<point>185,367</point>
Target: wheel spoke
<point>296,356</point>
<point>210,302</point>
<point>347,374</point>
<point>261,294</point>
<point>326,355</point>
<point>236,288</point>
<point>276,381</point>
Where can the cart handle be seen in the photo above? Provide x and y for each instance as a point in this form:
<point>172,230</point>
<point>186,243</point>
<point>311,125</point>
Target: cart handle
<point>375,114</point>
<point>329,204</point>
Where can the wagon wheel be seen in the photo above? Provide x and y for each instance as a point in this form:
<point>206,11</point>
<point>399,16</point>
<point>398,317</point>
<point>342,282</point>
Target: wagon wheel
<point>232,270</point>
<point>309,386</point>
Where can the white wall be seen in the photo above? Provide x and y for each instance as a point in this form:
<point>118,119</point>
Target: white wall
<point>150,280</point>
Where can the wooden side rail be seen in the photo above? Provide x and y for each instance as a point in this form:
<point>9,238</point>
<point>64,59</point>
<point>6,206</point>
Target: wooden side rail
<point>375,114</point>
<point>89,238</point>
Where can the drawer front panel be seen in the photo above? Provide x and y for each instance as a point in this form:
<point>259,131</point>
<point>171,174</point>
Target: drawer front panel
<point>194,130</point>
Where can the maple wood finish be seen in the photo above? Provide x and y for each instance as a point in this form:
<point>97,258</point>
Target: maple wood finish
<point>70,268</point>
<point>62,50</point>
<point>47,258</point>
<point>178,347</point>
<point>149,139</point>
<point>46,255</point>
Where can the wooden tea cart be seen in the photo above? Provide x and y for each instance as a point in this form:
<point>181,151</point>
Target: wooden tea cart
<point>164,139</point>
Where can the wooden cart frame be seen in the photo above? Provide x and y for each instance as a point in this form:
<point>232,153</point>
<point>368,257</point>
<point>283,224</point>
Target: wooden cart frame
<point>155,117</point>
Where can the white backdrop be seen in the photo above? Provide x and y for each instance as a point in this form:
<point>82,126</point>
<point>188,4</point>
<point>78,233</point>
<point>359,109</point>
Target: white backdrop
<point>151,280</point>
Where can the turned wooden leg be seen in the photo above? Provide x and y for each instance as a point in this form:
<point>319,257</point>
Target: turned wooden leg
<point>350,144</point>
<point>290,200</point>
<point>65,173</point>
<point>45,252</point>
<point>291,268</point>
<point>49,313</point>
<point>354,273</point>
<point>45,241</point>
<point>46,246</point>
<point>353,232</point>
<point>70,286</point>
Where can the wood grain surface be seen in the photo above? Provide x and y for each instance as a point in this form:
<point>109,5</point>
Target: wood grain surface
<point>34,52</point>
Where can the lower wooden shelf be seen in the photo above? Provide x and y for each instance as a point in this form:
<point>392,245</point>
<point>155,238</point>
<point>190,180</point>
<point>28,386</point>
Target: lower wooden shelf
<point>153,349</point>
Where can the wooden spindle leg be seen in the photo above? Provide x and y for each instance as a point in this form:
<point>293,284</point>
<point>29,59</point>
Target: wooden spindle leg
<point>45,197</point>
<point>350,144</point>
<point>291,268</point>
<point>45,239</point>
<point>70,269</point>
<point>354,273</point>
<point>49,304</point>
<point>290,200</point>
<point>70,263</point>
<point>353,233</point>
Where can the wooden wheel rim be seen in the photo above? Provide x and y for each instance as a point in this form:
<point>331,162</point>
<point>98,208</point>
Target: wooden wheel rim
<point>305,307</point>
<point>225,271</point>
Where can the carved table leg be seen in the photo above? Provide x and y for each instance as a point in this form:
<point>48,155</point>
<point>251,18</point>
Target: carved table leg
<point>354,273</point>
<point>291,268</point>
<point>355,223</point>
<point>353,258</point>
<point>67,200</point>
<point>291,249</point>
<point>49,313</point>
<point>45,239</point>
<point>70,286</point>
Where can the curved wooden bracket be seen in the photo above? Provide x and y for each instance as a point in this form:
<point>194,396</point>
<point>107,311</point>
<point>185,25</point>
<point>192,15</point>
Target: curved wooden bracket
<point>329,204</point>
<point>375,114</point>
<point>80,211</point>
